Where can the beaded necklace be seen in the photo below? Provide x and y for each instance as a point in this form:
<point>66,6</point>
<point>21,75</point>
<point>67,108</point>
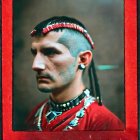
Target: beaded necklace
<point>61,107</point>
<point>57,109</point>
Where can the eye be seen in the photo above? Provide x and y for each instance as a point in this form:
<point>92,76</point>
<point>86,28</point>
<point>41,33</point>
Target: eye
<point>33,51</point>
<point>50,52</point>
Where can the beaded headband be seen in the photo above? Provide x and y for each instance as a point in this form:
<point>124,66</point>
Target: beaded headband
<point>66,25</point>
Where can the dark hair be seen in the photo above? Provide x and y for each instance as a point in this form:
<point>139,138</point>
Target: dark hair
<point>54,20</point>
<point>75,39</point>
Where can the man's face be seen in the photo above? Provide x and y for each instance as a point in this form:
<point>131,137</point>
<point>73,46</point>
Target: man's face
<point>55,66</point>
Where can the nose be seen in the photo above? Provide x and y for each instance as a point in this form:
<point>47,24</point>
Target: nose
<point>38,63</point>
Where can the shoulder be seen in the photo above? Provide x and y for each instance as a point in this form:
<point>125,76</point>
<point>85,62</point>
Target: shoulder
<point>101,118</point>
<point>34,113</point>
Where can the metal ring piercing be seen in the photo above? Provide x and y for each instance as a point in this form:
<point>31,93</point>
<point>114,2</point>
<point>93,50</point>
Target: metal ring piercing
<point>81,66</point>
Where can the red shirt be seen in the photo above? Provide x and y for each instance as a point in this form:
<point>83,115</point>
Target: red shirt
<point>88,115</point>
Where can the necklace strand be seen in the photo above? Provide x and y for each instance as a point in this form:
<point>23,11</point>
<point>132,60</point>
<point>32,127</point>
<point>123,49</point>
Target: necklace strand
<point>61,107</point>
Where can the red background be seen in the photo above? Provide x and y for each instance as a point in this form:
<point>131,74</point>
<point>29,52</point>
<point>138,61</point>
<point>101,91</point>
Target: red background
<point>130,83</point>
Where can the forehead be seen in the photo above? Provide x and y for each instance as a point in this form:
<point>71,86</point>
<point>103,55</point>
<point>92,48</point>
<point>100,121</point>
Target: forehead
<point>50,38</point>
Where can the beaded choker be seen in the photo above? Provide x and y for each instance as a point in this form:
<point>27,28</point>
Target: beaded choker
<point>61,107</point>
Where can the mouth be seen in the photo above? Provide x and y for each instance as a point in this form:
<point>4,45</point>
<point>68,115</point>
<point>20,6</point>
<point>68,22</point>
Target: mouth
<point>43,79</point>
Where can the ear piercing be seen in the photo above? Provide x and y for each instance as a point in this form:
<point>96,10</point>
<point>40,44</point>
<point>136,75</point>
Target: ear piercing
<point>81,66</point>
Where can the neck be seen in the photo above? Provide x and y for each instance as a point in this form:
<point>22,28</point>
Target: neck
<point>68,92</point>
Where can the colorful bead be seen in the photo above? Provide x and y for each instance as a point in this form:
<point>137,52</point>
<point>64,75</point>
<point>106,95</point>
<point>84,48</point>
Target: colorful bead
<point>66,25</point>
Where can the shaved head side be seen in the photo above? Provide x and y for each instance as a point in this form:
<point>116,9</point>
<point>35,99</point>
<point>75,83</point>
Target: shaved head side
<point>74,41</point>
<point>75,35</point>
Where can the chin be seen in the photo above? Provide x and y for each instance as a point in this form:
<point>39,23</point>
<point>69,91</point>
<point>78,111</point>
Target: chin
<point>44,89</point>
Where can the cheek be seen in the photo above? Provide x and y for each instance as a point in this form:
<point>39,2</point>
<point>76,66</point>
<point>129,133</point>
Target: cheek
<point>68,74</point>
<point>68,70</point>
<point>64,63</point>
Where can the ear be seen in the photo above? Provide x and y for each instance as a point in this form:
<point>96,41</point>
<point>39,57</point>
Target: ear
<point>85,57</point>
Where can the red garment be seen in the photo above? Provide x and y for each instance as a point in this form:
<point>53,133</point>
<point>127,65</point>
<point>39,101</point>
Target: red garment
<point>88,115</point>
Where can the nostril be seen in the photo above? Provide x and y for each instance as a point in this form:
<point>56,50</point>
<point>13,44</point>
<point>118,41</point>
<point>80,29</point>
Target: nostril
<point>38,66</point>
<point>38,63</point>
<point>41,65</point>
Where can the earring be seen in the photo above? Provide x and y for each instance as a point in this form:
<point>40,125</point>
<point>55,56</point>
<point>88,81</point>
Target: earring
<point>81,66</point>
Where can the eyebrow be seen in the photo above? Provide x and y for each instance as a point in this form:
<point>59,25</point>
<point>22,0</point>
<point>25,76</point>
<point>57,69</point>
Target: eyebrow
<point>49,48</point>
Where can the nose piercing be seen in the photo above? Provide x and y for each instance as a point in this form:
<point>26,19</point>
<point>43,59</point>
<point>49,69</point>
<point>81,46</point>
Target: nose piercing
<point>81,66</point>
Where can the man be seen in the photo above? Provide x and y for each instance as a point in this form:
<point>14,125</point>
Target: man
<point>62,49</point>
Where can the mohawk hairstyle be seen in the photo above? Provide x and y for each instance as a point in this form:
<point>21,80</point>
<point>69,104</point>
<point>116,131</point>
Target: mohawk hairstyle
<point>58,23</point>
<point>56,19</point>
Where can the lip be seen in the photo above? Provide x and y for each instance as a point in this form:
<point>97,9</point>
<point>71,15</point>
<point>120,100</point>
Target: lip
<point>43,79</point>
